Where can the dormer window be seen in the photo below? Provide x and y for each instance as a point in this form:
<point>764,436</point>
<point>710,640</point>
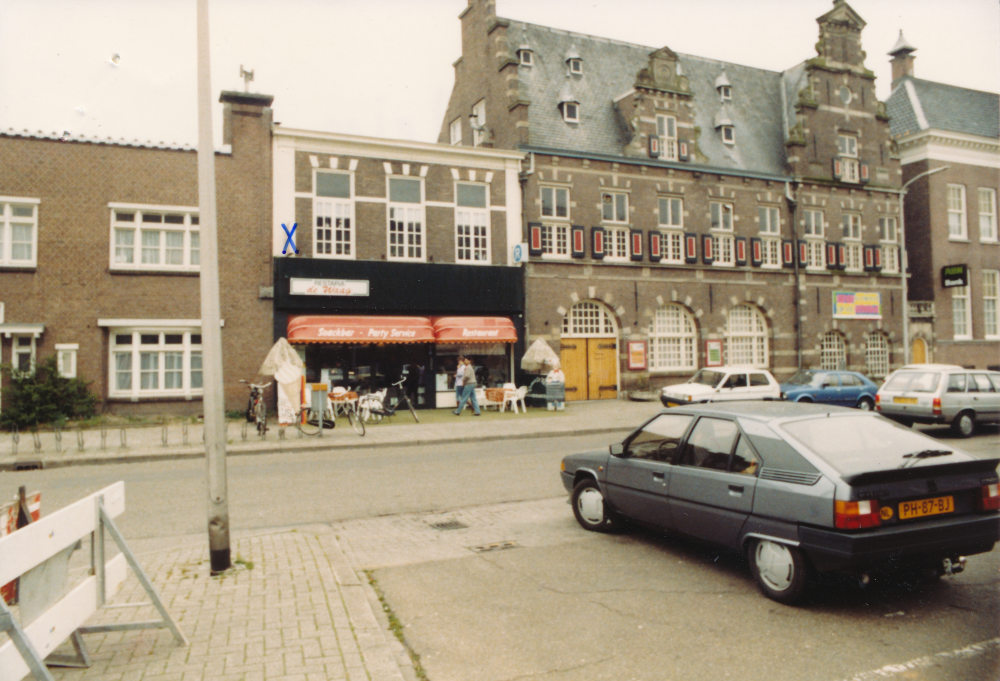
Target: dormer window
<point>571,112</point>
<point>724,87</point>
<point>575,66</point>
<point>728,134</point>
<point>726,92</point>
<point>525,56</point>
<point>848,166</point>
<point>724,124</point>
<point>666,130</point>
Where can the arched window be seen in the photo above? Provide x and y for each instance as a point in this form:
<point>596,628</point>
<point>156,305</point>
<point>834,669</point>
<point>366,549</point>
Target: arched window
<point>746,336</point>
<point>833,354</point>
<point>589,319</point>
<point>877,354</point>
<point>672,339</point>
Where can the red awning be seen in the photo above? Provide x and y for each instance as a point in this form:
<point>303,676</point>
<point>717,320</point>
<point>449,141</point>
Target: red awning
<point>331,329</point>
<point>474,330</point>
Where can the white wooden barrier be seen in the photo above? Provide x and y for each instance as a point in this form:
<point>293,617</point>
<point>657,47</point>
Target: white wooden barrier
<point>42,544</point>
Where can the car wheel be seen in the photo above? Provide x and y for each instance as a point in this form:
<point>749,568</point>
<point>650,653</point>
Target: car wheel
<point>865,404</point>
<point>589,506</point>
<point>805,400</point>
<point>780,570</point>
<point>964,424</point>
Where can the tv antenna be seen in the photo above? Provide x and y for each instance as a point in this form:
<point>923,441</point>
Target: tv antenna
<point>247,76</point>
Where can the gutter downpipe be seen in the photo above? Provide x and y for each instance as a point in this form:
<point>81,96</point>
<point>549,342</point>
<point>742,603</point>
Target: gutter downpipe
<point>792,204</point>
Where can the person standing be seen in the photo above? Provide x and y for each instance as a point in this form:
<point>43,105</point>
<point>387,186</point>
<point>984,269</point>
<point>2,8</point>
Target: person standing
<point>459,372</point>
<point>469,389</point>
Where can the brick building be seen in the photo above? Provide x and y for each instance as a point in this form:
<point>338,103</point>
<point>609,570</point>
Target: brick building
<point>405,260</point>
<point>683,212</point>
<point>949,146</point>
<point>100,255</point>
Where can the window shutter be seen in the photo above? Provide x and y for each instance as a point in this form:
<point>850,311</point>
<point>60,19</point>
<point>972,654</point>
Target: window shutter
<point>836,169</point>
<point>831,255</point>
<point>636,235</point>
<point>877,251</point>
<point>741,250</point>
<point>690,248</point>
<point>803,253</point>
<point>579,241</point>
<point>534,238</point>
<point>682,151</point>
<point>865,173</point>
<point>654,146</point>
<point>841,257</point>
<point>869,258</point>
<point>655,241</point>
<point>597,242</point>
<point>706,249</point>
<point>756,252</point>
<point>787,253</point>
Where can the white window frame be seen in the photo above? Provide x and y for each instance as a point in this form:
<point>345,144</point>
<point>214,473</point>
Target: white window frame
<point>479,111</point>
<point>746,337</point>
<point>455,131</point>
<point>666,130</point>
<point>335,209</point>
<point>728,134</point>
<point>850,170</point>
<point>472,229</point>
<point>121,250</point>
<point>721,214</point>
<point>725,93</point>
<point>616,244</point>
<point>66,359</point>
<point>815,254</point>
<point>616,198</point>
<point>525,57</point>
<point>887,232</point>
<point>589,319</point>
<point>991,303</point>
<point>555,203</point>
<point>7,223</point>
<point>571,112</point>
<point>670,212</point>
<point>847,146</point>
<point>17,349</point>
<point>770,219</point>
<point>411,212</point>
<point>987,215</point>
<point>813,223</point>
<point>770,254</point>
<point>961,313</point>
<point>187,348</point>
<point>575,66</point>
<point>555,242</point>
<point>850,225</point>
<point>958,228</point>
<point>672,248</point>
<point>854,257</point>
<point>723,250</point>
<point>890,259</point>
<point>877,354</point>
<point>833,352</point>
<point>673,340</point>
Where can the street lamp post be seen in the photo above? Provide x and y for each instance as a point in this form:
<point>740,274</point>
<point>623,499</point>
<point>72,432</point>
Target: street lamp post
<point>904,260</point>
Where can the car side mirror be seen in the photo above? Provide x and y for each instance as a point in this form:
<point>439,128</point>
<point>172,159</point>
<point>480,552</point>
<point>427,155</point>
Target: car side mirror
<point>617,449</point>
<point>824,385</point>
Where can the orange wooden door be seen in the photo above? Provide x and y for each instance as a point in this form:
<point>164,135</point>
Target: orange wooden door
<point>602,368</point>
<point>918,351</point>
<point>573,358</point>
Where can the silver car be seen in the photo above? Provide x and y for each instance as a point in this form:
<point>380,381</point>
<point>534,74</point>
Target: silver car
<point>941,393</point>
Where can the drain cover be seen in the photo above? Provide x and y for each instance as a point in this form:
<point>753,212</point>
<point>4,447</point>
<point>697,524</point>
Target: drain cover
<point>28,466</point>
<point>498,546</point>
<point>449,525</point>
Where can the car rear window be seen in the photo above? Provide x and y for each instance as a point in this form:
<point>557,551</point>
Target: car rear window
<point>758,380</point>
<point>858,443</point>
<point>914,381</point>
<point>707,377</point>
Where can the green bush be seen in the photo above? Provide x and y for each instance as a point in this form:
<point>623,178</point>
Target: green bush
<point>43,397</point>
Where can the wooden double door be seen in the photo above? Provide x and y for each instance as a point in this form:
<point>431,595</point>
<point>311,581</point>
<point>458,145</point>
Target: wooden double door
<point>591,368</point>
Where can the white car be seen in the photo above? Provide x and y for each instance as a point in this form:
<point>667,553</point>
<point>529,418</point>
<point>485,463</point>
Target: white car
<point>722,384</point>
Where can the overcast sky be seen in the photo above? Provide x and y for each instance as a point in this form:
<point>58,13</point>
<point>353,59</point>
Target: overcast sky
<point>384,67</point>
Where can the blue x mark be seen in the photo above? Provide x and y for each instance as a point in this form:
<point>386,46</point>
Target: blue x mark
<point>290,241</point>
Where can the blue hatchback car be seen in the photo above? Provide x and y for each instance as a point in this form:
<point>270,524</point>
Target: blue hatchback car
<point>842,388</point>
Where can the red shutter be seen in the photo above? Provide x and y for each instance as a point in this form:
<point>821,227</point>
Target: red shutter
<point>534,239</point>
<point>636,244</point>
<point>836,169</point>
<point>655,241</point>
<point>654,146</point>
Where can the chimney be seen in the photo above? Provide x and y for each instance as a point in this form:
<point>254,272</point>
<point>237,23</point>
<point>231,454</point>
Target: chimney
<point>902,58</point>
<point>243,105</point>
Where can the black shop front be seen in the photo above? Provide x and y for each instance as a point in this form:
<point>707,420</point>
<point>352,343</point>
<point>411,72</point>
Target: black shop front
<point>366,325</point>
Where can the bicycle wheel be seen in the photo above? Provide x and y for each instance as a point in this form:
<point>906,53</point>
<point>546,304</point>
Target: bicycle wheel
<point>261,417</point>
<point>356,423</point>
<point>412,410</point>
<point>306,424</point>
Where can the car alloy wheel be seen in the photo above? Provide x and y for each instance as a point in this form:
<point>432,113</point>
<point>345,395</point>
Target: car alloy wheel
<point>780,570</point>
<point>964,424</point>
<point>865,404</point>
<point>589,507</point>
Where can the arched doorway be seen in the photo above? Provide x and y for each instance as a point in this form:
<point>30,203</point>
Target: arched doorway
<point>588,352</point>
<point>918,351</point>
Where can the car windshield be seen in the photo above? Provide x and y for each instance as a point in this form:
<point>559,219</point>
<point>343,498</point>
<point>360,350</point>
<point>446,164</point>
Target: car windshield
<point>914,381</point>
<point>708,377</point>
<point>859,443</point>
<point>802,378</point>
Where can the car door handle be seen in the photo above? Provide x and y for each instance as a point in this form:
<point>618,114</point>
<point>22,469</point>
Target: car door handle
<point>736,490</point>
<point>658,476</point>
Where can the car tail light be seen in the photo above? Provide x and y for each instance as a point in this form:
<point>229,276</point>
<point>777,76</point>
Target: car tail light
<point>989,498</point>
<point>878,402</point>
<point>937,406</point>
<point>855,515</point>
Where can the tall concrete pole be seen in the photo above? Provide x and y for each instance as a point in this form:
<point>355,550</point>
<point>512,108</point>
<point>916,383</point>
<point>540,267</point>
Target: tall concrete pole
<point>211,334</point>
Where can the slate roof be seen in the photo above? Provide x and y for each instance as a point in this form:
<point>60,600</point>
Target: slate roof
<point>916,105</point>
<point>609,71</point>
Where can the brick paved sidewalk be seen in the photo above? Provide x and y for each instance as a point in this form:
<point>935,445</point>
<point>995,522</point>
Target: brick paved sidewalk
<point>300,613</point>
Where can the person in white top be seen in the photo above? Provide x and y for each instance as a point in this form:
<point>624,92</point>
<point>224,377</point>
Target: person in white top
<point>556,376</point>
<point>459,373</point>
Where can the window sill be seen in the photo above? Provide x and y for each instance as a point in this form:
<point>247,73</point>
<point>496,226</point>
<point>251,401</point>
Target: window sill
<point>118,399</point>
<point>723,264</point>
<point>19,268</point>
<point>959,239</point>
<point>326,256</point>
<point>551,257</point>
<point>989,241</point>
<point>169,273</point>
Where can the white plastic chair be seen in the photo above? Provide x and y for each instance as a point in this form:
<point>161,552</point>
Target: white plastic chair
<point>513,397</point>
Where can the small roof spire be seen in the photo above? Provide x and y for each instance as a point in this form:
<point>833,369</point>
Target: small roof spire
<point>902,47</point>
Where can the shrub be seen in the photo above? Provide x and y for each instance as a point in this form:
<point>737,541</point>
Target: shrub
<point>43,397</point>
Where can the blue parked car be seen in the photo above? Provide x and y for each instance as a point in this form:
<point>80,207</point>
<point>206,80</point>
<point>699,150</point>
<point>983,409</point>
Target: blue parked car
<point>842,388</point>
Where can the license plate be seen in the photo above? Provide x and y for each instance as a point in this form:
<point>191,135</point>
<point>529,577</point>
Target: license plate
<point>904,400</point>
<point>925,507</point>
<point>672,404</point>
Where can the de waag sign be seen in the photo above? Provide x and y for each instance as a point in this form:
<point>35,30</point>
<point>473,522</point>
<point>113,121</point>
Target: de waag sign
<point>953,276</point>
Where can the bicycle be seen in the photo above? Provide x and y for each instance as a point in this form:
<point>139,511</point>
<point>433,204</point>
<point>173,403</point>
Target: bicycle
<point>256,409</point>
<point>372,406</point>
<point>307,420</point>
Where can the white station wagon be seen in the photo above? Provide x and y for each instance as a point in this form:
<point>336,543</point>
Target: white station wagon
<point>723,384</point>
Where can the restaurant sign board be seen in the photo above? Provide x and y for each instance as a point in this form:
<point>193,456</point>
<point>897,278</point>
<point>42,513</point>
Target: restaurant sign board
<point>328,287</point>
<point>953,276</point>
